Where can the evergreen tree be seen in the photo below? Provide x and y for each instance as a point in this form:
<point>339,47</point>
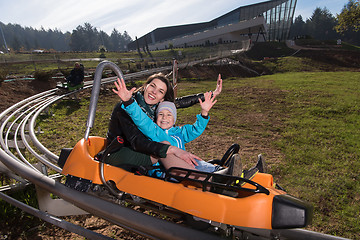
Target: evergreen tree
<point>88,38</point>
<point>16,45</point>
<point>20,38</point>
<point>115,39</point>
<point>349,18</point>
<point>321,24</point>
<point>298,28</point>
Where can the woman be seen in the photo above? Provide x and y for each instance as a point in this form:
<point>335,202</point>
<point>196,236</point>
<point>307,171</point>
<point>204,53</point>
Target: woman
<point>138,149</point>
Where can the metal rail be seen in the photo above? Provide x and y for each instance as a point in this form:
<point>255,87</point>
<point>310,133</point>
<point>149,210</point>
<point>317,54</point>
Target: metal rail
<point>25,114</point>
<point>21,118</point>
<point>53,220</point>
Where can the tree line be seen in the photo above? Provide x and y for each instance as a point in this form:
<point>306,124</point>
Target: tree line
<point>88,38</point>
<point>322,25</point>
<point>83,38</point>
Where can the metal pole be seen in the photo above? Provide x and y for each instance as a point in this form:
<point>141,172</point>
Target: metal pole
<point>54,220</point>
<point>2,33</point>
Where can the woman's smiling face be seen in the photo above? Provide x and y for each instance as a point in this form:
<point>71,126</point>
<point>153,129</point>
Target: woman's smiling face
<point>155,92</point>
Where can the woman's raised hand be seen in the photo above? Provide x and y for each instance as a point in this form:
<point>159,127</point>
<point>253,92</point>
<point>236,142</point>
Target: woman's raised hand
<point>218,86</point>
<point>122,91</point>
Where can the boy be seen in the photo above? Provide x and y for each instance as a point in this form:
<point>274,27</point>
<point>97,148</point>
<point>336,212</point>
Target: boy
<point>164,130</point>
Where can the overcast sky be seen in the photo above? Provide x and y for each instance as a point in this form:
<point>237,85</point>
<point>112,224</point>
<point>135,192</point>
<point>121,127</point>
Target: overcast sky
<point>137,17</point>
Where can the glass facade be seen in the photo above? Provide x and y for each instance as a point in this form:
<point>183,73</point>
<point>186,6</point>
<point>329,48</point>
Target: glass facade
<point>278,14</point>
<point>279,20</point>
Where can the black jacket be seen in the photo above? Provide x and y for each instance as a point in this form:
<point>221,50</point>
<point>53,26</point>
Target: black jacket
<point>122,125</point>
<point>76,76</point>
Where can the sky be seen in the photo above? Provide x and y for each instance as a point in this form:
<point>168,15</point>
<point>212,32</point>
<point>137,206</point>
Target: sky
<point>136,17</point>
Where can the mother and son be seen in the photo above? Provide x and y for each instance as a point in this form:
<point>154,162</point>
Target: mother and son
<point>145,120</point>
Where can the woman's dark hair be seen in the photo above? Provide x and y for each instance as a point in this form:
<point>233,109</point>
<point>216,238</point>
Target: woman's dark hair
<point>169,95</point>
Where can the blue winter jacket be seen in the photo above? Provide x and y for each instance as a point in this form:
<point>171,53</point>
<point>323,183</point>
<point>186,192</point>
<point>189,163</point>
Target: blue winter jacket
<point>177,136</point>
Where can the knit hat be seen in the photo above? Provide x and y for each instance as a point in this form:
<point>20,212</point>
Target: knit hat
<point>170,106</point>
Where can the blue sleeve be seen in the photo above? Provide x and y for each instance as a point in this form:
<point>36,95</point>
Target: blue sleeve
<point>190,132</point>
<point>144,123</point>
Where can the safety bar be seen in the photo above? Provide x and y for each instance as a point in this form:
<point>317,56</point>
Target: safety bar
<point>226,182</point>
<point>96,90</point>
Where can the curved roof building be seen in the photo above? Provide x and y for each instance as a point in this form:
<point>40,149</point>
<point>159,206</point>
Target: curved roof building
<point>265,21</point>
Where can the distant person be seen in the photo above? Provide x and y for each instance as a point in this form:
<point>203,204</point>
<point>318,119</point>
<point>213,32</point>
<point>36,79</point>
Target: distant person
<point>76,76</point>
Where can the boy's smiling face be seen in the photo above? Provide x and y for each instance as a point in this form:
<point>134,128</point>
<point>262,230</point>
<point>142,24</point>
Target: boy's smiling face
<point>165,119</point>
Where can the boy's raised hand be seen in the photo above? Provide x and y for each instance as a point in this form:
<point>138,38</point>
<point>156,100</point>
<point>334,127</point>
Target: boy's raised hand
<point>209,101</point>
<point>122,91</point>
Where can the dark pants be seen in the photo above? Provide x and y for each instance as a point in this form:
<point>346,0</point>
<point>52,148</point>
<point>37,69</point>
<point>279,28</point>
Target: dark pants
<point>128,156</point>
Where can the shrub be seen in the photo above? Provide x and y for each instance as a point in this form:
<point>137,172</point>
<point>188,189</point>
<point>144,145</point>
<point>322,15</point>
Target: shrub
<point>43,76</point>
<point>65,72</point>
<point>102,52</point>
<point>4,71</point>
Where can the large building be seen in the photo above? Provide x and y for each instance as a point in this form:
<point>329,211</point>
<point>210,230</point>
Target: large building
<point>265,21</point>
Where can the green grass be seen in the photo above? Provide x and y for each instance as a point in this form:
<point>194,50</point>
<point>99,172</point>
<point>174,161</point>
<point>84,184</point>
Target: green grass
<point>291,64</point>
<point>11,216</point>
<point>322,147</point>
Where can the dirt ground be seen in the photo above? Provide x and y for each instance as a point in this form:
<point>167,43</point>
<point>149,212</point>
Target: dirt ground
<point>15,91</point>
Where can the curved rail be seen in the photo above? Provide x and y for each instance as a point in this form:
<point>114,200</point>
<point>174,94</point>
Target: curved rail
<point>21,118</point>
<point>96,90</point>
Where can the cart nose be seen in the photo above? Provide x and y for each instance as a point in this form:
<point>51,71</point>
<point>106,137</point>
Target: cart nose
<point>290,212</point>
